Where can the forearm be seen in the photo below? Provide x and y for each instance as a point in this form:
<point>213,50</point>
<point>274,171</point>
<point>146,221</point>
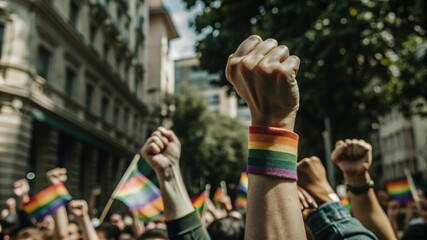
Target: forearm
<point>91,206</point>
<point>175,197</point>
<point>367,209</point>
<point>273,211</point>
<point>138,228</point>
<point>273,206</point>
<point>89,232</point>
<point>61,223</point>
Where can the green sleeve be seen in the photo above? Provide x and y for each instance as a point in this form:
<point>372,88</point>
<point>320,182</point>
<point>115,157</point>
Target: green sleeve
<point>188,227</point>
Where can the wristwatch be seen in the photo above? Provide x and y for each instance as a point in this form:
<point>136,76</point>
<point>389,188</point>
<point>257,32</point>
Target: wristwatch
<point>361,188</point>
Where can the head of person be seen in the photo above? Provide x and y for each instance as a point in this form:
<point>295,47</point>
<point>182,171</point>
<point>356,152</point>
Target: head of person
<point>30,233</point>
<point>117,220</point>
<point>73,231</point>
<point>107,231</point>
<point>227,228</point>
<point>8,225</point>
<point>154,234</point>
<point>47,226</point>
<point>126,236</point>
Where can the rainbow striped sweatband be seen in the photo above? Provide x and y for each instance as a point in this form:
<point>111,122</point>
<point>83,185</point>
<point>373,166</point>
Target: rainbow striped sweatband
<point>272,152</point>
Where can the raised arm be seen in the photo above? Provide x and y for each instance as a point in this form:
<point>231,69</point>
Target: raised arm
<point>94,193</point>
<point>21,190</point>
<point>60,217</point>
<point>162,151</point>
<point>331,214</point>
<point>79,209</point>
<point>354,158</point>
<point>263,74</point>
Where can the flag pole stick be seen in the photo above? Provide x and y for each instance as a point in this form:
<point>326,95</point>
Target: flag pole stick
<point>223,188</point>
<point>122,181</point>
<point>412,188</point>
<point>207,191</point>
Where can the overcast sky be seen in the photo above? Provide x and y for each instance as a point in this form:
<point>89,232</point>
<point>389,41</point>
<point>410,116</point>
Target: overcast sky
<point>183,46</point>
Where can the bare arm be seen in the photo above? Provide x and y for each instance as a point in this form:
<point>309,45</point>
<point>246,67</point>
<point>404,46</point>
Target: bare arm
<point>21,190</point>
<point>263,74</point>
<point>80,210</point>
<point>162,151</point>
<point>138,227</point>
<point>354,158</point>
<point>60,217</point>
<point>92,201</point>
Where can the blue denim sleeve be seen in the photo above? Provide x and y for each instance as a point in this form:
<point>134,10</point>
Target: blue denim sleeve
<point>332,221</point>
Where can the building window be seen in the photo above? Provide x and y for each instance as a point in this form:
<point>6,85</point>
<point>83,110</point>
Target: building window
<point>118,65</point>
<point>89,96</point>
<point>137,84</point>
<point>42,63</point>
<point>92,34</point>
<point>135,127</point>
<point>1,39</point>
<point>70,76</point>
<point>126,76</point>
<point>74,14</point>
<point>104,108</point>
<point>116,115</point>
<point>106,50</point>
<point>126,120</point>
<point>213,99</point>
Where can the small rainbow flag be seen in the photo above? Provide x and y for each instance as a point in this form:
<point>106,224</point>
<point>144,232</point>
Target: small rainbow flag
<point>139,193</point>
<point>399,190</point>
<point>198,201</point>
<point>217,194</point>
<point>346,203</point>
<point>47,201</point>
<point>242,191</point>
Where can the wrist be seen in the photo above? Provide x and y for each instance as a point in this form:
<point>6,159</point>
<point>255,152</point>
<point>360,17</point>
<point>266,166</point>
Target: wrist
<point>286,123</point>
<point>272,152</point>
<point>24,199</point>
<point>357,179</point>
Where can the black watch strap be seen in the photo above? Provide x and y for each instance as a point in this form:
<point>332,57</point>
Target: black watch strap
<point>362,188</point>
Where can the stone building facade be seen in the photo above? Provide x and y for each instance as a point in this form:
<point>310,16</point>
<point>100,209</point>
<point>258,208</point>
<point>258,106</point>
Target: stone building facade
<point>72,90</point>
<point>403,144</point>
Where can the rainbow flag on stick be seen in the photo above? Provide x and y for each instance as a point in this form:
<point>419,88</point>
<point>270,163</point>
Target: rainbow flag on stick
<point>399,190</point>
<point>139,193</point>
<point>198,200</point>
<point>47,201</point>
<point>242,191</point>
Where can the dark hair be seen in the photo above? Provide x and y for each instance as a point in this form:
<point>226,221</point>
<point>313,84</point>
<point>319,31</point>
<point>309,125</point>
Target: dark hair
<point>227,228</point>
<point>416,231</point>
<point>154,233</point>
<point>32,232</point>
<point>110,231</point>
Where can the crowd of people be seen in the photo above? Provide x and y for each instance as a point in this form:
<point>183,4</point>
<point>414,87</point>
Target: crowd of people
<point>286,198</point>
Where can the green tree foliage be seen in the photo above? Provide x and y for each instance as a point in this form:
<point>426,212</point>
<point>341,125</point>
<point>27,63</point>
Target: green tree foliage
<point>213,146</point>
<point>359,58</point>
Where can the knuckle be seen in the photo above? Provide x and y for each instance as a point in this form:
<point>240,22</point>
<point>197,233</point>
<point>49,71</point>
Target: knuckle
<point>246,63</point>
<point>264,68</point>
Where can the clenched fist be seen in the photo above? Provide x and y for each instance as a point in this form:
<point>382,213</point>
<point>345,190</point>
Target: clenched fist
<point>264,75</point>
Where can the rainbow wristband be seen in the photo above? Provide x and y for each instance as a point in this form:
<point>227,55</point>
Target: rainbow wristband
<point>272,152</point>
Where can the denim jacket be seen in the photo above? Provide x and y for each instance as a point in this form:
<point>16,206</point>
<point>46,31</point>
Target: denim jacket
<point>332,221</point>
